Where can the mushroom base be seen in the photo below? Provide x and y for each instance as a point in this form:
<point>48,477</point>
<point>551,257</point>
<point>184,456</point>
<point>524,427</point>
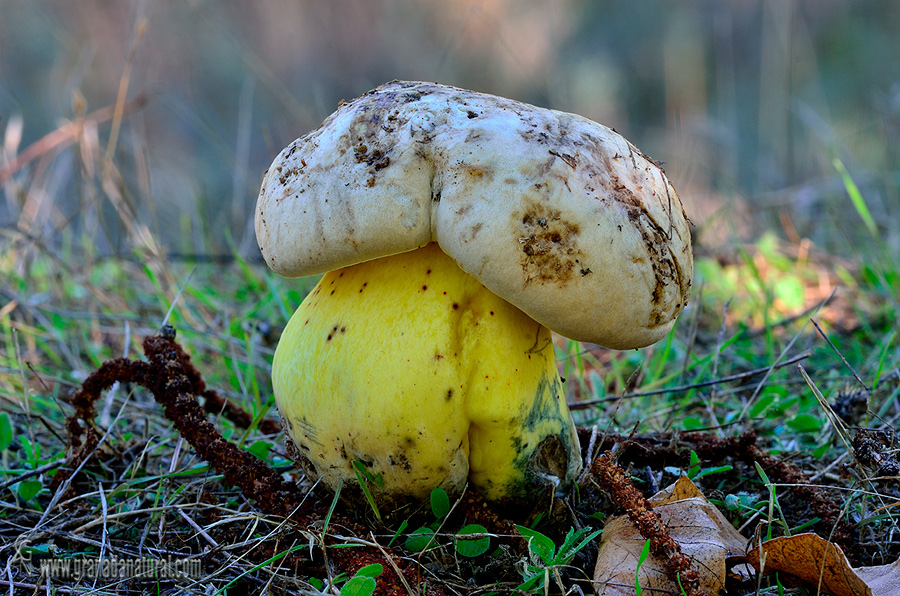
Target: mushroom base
<point>408,374</point>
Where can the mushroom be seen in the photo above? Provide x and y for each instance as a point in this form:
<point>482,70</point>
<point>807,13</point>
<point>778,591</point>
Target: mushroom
<point>455,230</point>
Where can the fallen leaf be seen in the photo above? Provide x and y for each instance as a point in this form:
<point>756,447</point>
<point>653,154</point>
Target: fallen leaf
<point>683,488</point>
<point>694,523</point>
<point>813,560</point>
<point>883,579</point>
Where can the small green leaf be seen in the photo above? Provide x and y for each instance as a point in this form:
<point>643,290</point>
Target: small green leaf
<point>316,583</point>
<point>58,322</point>
<point>569,549</point>
<point>27,489</point>
<point>358,586</point>
<point>805,423</point>
<point>762,404</point>
<point>732,502</point>
<point>472,547</point>
<point>31,450</point>
<point>403,525</point>
<point>538,544</point>
<point>45,549</point>
<point>859,203</point>
<point>440,503</point>
<point>821,450</point>
<point>716,470</point>
<point>373,570</point>
<point>260,449</point>
<point>532,582</point>
<point>363,476</point>
<point>692,423</point>
<point>6,435</point>
<point>418,540</point>
<point>362,470</point>
<point>694,467</point>
<point>334,502</point>
<point>808,523</point>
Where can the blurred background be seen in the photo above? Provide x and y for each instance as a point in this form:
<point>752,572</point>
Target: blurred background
<point>147,125</point>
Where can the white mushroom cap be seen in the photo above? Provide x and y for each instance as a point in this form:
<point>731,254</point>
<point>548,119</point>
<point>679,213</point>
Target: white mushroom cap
<point>557,214</point>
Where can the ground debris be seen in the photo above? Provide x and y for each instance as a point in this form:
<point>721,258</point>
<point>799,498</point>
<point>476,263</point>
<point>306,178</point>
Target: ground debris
<point>613,479</point>
<point>288,536</point>
<point>176,384</point>
<point>673,449</point>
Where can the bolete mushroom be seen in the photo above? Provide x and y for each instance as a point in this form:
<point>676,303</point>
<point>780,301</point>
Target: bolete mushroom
<point>455,230</point>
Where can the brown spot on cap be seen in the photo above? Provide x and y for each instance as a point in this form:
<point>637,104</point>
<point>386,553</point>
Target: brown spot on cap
<point>548,244</point>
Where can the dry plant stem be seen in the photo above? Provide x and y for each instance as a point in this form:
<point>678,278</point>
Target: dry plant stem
<point>175,383</point>
<point>65,135</point>
<point>613,480</point>
<point>173,390</point>
<point>586,404</point>
<point>215,404</point>
<point>673,449</point>
<point>83,440</point>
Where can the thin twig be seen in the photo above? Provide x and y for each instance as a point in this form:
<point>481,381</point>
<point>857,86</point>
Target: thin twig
<point>28,474</point>
<point>393,564</point>
<point>841,356</point>
<point>200,531</point>
<point>64,487</point>
<point>582,405</point>
<point>786,349</point>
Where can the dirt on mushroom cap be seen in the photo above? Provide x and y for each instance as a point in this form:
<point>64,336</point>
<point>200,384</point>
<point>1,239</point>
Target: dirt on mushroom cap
<point>554,213</point>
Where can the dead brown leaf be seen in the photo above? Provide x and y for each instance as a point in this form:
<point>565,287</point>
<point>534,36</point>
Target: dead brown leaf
<point>884,580</point>
<point>694,523</point>
<point>815,561</point>
<point>822,566</point>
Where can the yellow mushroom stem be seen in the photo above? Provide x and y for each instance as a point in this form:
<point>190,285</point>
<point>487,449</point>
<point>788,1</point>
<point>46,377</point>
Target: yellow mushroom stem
<point>411,368</point>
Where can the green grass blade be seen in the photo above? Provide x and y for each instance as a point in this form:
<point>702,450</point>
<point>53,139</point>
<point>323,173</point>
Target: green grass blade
<point>645,553</point>
<point>859,203</point>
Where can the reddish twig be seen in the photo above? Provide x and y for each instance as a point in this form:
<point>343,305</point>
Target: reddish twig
<point>175,383</point>
<point>613,480</point>
<point>172,388</point>
<point>214,403</point>
<point>674,449</point>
